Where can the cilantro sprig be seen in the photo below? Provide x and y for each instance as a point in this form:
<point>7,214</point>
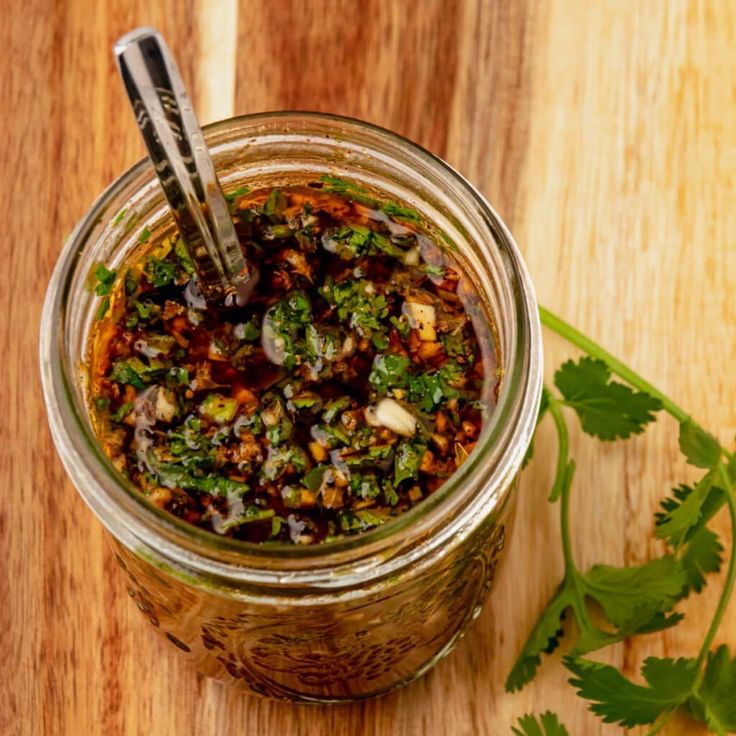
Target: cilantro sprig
<point>640,599</point>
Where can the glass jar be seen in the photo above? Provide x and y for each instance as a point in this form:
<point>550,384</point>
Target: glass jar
<point>355,617</point>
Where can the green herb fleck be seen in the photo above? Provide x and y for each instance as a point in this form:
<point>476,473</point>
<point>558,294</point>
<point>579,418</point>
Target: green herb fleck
<point>408,459</point>
<point>218,408</point>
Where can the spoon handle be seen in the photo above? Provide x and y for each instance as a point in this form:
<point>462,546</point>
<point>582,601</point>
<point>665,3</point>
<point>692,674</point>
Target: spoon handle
<point>182,162</point>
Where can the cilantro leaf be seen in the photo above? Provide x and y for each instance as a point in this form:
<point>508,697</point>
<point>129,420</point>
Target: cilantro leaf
<point>635,600</point>
<point>632,596</point>
<point>547,725</point>
<point>710,505</point>
<point>676,523</point>
<point>606,409</point>
<point>618,700</point>
<point>700,448</point>
<point>544,638</point>
<point>715,701</point>
<point>702,556</point>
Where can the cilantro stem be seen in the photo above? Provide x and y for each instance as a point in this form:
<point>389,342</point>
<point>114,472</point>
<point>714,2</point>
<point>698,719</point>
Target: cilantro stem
<point>592,348</point>
<point>661,721</point>
<point>565,522</point>
<point>562,489</point>
<point>563,451</point>
<point>730,575</point>
<point>717,619</point>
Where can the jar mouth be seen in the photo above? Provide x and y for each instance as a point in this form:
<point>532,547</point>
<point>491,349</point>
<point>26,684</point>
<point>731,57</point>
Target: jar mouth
<point>446,513</point>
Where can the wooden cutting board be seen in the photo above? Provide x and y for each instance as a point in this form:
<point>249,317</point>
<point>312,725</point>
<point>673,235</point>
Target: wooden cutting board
<point>604,134</point>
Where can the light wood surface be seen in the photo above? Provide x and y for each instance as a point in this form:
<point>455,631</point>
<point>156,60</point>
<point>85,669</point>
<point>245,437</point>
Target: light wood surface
<point>604,134</point>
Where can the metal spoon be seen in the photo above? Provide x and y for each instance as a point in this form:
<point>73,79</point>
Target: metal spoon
<point>182,162</point>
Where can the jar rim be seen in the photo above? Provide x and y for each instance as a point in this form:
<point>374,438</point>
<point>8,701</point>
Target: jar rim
<point>179,541</point>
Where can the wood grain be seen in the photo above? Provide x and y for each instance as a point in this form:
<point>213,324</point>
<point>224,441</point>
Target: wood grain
<point>604,134</point>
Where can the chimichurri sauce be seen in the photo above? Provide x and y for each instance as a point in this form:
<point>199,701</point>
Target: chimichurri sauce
<point>349,388</point>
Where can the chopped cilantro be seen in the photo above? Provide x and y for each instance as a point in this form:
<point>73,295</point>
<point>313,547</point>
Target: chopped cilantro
<point>102,309</point>
<point>184,258</point>
<point>129,372</point>
<point>432,269</point>
<point>105,279</point>
<point>357,303</point>
<point>403,213</point>
<point>218,408</point>
<point>430,391</point>
<point>177,376</point>
<point>389,371</point>
<point>283,323</point>
<point>281,432</point>
<point>401,324</point>
<point>313,478</point>
<point>365,485</point>
<point>455,345</point>
<point>121,412</point>
<point>160,273</point>
<point>335,407</point>
<point>248,331</point>
<point>281,458</point>
<point>274,205</point>
<point>353,521</point>
<point>131,282</point>
<point>349,189</point>
<point>239,192</point>
<point>331,435</point>
<point>174,475</point>
<point>408,459</point>
<point>249,515</point>
<point>353,241</point>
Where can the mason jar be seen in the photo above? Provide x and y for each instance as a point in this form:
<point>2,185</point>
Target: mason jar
<point>354,617</point>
